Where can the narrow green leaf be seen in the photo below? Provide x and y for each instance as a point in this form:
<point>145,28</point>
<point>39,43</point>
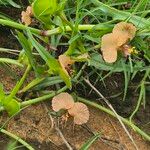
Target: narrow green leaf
<point>66,78</point>
<point>121,15</point>
<point>48,81</point>
<point>10,61</point>
<point>53,64</point>
<point>50,60</point>
<point>2,94</point>
<point>87,145</point>
<point>28,50</point>
<point>32,84</point>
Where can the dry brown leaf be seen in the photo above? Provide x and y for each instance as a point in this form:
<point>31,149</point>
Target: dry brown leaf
<point>80,113</point>
<point>109,47</point>
<point>29,10</point>
<point>65,62</point>
<point>26,16</point>
<point>110,55</point>
<point>112,42</point>
<point>62,101</point>
<point>127,29</point>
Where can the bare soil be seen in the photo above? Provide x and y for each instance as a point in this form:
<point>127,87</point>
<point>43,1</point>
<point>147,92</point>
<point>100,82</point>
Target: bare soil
<point>34,125</point>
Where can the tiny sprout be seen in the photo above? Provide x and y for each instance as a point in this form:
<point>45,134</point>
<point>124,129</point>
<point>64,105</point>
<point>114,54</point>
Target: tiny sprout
<point>26,16</point>
<point>122,33</point>
<point>62,101</point>
<point>77,110</point>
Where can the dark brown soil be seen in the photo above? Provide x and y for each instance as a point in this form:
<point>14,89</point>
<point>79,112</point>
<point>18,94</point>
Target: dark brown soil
<point>34,125</point>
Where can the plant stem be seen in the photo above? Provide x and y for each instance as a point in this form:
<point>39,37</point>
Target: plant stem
<point>68,29</point>
<point>45,97</point>
<point>126,121</point>
<point>19,84</point>
<point>64,19</point>
<point>18,26</point>
<point>39,99</point>
<point>42,98</point>
<point>48,32</point>
<point>10,61</point>
<point>17,139</point>
<point>113,110</point>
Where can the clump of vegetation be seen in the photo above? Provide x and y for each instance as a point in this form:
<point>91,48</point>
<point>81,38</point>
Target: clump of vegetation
<point>65,42</point>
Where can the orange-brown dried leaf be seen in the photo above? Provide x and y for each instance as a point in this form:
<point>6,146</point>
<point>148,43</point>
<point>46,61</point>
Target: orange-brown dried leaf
<point>120,38</point>
<point>25,18</point>
<point>80,113</point>
<point>127,29</point>
<point>109,40</point>
<point>110,55</point>
<point>29,10</point>
<point>62,101</point>
<point>109,47</point>
<point>65,62</point>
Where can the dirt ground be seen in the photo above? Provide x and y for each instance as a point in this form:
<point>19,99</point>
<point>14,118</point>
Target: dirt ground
<point>34,125</point>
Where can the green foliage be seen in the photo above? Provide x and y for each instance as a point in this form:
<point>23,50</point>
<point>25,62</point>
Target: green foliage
<point>53,64</point>
<point>9,2</point>
<point>10,104</point>
<point>10,61</point>
<point>43,11</point>
<point>28,51</point>
<point>87,145</point>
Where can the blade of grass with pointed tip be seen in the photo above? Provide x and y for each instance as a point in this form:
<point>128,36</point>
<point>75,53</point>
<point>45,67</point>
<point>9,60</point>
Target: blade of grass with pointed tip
<point>87,145</point>
<point>10,61</point>
<point>53,64</point>
<point>121,15</point>
<point>28,50</point>
<point>32,84</point>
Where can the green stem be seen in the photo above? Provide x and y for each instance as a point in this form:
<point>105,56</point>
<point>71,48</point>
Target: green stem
<point>68,29</point>
<point>127,122</point>
<point>42,98</point>
<point>142,94</point>
<point>64,19</point>
<point>19,84</point>
<point>39,99</point>
<point>17,139</point>
<point>138,102</point>
<point>48,32</point>
<point>10,61</point>
<point>45,97</point>
<point>18,26</point>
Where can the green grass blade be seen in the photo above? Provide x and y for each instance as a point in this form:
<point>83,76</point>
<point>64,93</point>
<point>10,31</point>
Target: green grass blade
<point>10,61</point>
<point>87,145</point>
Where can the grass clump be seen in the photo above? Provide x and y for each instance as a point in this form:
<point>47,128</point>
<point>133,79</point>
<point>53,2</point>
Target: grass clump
<point>63,41</point>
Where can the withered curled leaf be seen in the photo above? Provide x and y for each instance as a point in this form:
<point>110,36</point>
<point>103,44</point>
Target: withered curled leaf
<point>62,101</point>
<point>80,113</point>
